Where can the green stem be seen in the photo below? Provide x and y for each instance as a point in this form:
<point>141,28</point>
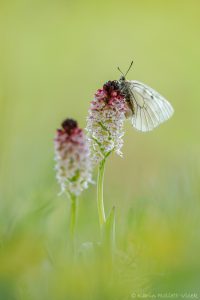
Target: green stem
<point>100,203</point>
<point>73,214</point>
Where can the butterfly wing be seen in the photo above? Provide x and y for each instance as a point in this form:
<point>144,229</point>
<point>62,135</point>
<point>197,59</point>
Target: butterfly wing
<point>150,108</point>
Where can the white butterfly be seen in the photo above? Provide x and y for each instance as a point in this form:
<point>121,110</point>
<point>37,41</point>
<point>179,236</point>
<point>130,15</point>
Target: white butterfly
<point>149,108</point>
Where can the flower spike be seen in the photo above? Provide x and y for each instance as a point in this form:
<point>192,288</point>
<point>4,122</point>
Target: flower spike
<point>72,156</point>
<point>105,121</point>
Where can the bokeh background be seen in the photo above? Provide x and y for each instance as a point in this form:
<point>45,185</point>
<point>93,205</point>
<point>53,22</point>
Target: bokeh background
<point>53,56</point>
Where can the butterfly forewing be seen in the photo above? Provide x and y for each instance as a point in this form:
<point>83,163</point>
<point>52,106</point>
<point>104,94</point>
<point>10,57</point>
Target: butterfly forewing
<point>150,108</point>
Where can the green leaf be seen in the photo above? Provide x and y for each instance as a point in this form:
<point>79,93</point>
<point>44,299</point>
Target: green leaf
<point>109,232</point>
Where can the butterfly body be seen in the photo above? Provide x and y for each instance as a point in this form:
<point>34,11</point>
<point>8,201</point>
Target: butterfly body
<point>125,89</point>
<point>148,109</point>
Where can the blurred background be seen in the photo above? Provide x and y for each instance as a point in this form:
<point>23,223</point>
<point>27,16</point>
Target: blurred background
<point>54,55</point>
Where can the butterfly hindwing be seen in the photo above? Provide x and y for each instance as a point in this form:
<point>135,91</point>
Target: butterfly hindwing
<point>150,108</point>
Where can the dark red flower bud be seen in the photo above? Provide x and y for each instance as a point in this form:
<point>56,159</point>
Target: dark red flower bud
<point>68,125</point>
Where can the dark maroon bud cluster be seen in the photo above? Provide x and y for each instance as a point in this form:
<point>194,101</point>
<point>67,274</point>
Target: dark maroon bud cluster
<point>68,125</point>
<point>111,86</point>
<point>112,89</point>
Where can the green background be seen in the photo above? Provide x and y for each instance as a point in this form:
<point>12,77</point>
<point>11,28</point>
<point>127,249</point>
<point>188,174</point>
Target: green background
<point>54,55</point>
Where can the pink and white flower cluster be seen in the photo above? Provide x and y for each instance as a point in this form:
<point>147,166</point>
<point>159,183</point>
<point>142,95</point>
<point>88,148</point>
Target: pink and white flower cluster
<point>72,155</point>
<point>105,121</point>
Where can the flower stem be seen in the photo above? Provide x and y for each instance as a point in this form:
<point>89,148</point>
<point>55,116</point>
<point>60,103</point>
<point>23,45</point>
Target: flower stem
<point>100,203</point>
<point>73,214</point>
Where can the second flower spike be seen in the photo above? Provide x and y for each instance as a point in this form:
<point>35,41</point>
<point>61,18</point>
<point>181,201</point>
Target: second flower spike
<point>72,155</point>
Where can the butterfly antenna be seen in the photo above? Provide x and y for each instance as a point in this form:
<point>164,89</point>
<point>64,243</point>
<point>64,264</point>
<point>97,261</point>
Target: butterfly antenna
<point>120,71</point>
<point>129,68</point>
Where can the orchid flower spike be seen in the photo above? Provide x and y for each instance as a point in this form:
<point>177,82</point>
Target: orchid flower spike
<point>105,122</point>
<point>72,156</point>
